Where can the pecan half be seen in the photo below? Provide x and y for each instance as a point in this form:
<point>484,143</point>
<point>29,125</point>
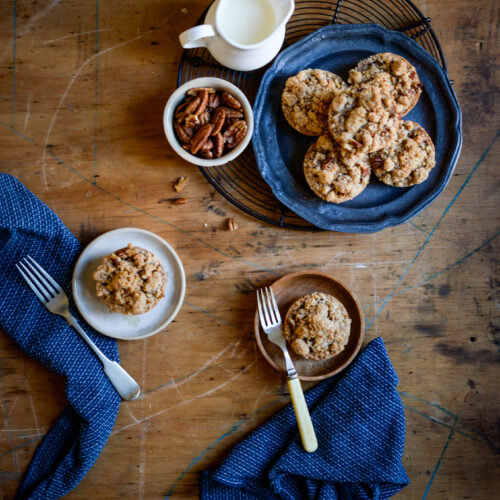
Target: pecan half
<point>235,133</point>
<point>207,154</point>
<point>207,145</point>
<point>232,113</point>
<point>204,118</point>
<point>376,161</point>
<point>218,145</point>
<point>218,119</point>
<point>230,121</point>
<point>179,201</point>
<point>231,224</point>
<point>213,101</point>
<point>230,101</point>
<point>203,96</point>
<point>200,137</point>
<point>192,107</point>
<point>197,90</point>
<point>180,183</point>
<point>183,133</point>
<point>327,163</point>
<point>180,111</point>
<point>191,121</point>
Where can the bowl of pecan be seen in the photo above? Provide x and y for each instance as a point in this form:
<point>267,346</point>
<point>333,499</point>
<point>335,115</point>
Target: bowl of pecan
<point>208,121</point>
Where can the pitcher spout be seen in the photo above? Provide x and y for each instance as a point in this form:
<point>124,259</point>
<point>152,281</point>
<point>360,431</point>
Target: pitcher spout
<point>283,10</point>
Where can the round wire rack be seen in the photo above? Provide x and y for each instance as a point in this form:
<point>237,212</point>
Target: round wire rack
<point>239,181</point>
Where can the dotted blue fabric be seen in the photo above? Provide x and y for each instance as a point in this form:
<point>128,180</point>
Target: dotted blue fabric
<point>359,422</point>
<point>69,449</point>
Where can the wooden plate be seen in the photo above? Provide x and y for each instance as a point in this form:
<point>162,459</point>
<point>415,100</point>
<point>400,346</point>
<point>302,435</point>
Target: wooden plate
<point>288,289</point>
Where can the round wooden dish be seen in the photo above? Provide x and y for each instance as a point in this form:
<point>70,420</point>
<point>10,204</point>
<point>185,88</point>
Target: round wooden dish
<point>288,289</point>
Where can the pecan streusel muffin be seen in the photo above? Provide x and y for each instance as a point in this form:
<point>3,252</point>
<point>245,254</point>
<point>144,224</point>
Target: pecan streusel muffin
<point>317,326</point>
<point>363,118</point>
<point>130,280</point>
<point>404,78</point>
<point>306,99</point>
<point>409,160</point>
<point>333,176</point>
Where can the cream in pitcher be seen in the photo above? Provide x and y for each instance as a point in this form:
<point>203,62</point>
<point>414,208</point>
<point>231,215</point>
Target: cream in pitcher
<point>248,21</point>
<point>242,34</point>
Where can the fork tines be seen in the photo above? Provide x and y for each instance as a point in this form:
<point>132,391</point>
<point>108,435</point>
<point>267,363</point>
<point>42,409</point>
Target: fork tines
<point>42,284</point>
<point>268,309</point>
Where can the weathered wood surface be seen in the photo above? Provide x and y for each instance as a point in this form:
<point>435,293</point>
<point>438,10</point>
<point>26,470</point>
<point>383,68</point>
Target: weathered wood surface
<point>81,102</point>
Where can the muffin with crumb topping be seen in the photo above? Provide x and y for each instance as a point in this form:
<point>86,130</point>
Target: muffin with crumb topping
<point>406,86</point>
<point>317,326</point>
<point>306,98</point>
<point>130,280</point>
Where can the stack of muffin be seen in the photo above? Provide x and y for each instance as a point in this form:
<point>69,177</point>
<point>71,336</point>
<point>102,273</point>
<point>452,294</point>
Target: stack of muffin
<point>360,126</point>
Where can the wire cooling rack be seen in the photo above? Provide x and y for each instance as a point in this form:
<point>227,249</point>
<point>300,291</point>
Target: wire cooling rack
<point>239,181</point>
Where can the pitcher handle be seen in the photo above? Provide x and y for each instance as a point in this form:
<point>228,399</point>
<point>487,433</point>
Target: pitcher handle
<point>196,37</point>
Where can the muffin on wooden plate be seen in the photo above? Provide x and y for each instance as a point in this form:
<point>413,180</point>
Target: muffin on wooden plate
<point>130,280</point>
<point>317,326</point>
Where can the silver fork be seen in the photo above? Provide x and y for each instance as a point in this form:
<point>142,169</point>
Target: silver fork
<point>270,320</point>
<point>56,301</point>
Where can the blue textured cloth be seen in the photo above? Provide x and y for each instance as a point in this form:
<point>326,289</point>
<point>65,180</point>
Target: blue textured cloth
<point>69,449</point>
<point>359,422</point>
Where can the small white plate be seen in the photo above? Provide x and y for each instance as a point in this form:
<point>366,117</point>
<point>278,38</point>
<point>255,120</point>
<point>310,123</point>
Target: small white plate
<point>124,326</point>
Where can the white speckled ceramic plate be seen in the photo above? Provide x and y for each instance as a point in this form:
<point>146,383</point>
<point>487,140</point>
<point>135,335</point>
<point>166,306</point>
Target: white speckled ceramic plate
<point>122,326</point>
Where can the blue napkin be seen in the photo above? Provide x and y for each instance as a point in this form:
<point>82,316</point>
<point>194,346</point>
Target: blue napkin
<point>69,449</point>
<point>359,422</point>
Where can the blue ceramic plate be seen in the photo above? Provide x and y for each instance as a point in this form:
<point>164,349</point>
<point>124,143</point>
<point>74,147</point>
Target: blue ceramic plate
<point>280,150</point>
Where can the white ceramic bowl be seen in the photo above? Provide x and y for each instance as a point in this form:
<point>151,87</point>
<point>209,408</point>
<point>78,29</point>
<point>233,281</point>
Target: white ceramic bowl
<point>176,98</point>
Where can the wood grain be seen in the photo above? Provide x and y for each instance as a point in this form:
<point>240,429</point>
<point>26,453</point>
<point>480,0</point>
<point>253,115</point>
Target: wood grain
<point>82,91</point>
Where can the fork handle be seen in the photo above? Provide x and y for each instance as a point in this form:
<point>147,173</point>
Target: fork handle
<point>306,429</point>
<point>124,384</point>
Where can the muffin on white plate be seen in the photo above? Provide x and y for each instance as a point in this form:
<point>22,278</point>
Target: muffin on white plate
<point>130,280</point>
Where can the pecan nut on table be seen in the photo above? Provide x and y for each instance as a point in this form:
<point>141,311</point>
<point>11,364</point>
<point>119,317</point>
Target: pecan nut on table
<point>209,123</point>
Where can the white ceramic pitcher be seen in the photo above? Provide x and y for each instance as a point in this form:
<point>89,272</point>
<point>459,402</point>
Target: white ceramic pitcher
<point>241,34</point>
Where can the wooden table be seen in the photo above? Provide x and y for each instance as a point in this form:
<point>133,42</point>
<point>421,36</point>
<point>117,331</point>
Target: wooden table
<point>83,85</point>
